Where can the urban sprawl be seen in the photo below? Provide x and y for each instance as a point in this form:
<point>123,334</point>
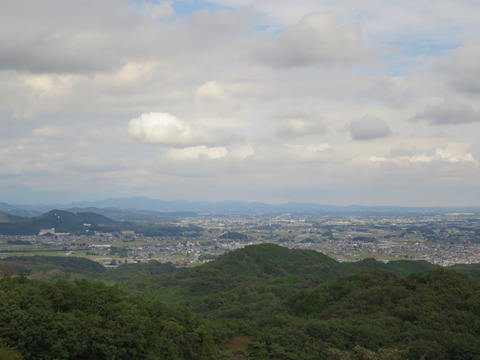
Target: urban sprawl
<point>444,239</point>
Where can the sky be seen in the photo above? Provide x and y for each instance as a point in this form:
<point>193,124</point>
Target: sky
<point>370,102</point>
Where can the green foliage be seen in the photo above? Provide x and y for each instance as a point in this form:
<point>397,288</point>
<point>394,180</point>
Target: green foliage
<point>233,235</point>
<point>130,271</point>
<point>52,267</point>
<point>62,221</point>
<point>360,353</point>
<point>295,304</point>
<point>169,230</point>
<point>90,320</point>
<point>260,302</point>
<point>8,353</point>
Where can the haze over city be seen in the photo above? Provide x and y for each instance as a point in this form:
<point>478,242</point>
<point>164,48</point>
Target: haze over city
<point>370,102</point>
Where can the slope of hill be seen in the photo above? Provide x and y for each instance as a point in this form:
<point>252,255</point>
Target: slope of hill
<point>53,268</point>
<point>246,266</point>
<point>262,302</point>
<point>265,268</point>
<point>50,267</point>
<point>295,304</point>
<point>61,221</point>
<point>90,320</point>
<point>6,217</point>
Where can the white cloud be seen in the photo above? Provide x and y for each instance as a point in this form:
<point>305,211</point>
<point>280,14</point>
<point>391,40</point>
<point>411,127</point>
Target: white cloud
<point>32,94</point>
<point>316,40</point>
<point>165,129</point>
<point>213,97</point>
<point>316,152</point>
<point>197,152</point>
<point>453,153</point>
<point>247,94</point>
<point>290,128</point>
<point>53,132</point>
<point>369,128</point>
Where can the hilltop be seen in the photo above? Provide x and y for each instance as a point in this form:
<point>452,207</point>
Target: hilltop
<point>257,265</point>
<point>60,220</point>
<point>84,223</point>
<point>259,302</point>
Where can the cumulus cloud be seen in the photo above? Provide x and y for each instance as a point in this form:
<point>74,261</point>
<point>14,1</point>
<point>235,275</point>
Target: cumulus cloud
<point>464,67</point>
<point>165,129</point>
<point>316,40</point>
<point>214,96</point>
<point>369,128</point>
<point>451,153</point>
<point>315,152</point>
<point>290,128</point>
<point>450,112</point>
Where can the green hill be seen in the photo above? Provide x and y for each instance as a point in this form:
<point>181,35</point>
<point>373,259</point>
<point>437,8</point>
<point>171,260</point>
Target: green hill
<point>259,275</point>
<point>90,320</point>
<point>7,218</point>
<point>262,302</point>
<point>270,302</point>
<point>62,221</point>
<point>242,267</point>
<point>53,268</point>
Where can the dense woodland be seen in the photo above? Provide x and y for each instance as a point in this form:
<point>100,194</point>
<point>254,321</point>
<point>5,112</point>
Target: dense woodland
<point>260,302</point>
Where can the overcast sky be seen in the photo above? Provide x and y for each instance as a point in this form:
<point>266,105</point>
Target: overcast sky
<point>371,102</point>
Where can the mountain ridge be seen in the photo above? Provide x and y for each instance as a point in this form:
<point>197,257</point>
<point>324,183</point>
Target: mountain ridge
<point>146,203</point>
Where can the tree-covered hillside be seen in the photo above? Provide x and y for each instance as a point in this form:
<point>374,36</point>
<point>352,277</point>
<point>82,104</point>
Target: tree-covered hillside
<point>261,302</point>
<point>89,320</point>
<point>270,302</point>
<point>86,223</point>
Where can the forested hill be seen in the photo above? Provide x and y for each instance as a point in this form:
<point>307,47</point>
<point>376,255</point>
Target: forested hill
<point>85,223</point>
<point>62,221</point>
<point>261,302</point>
<point>258,263</point>
<point>90,320</point>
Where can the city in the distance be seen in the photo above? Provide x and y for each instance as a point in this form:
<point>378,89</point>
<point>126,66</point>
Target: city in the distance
<point>135,230</point>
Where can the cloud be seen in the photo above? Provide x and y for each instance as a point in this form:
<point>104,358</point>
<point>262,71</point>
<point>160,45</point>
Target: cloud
<point>369,128</point>
<point>291,128</point>
<point>403,150</point>
<point>165,129</point>
<point>450,112</point>
<point>464,67</point>
<point>316,40</point>
<point>81,37</point>
<point>53,132</point>
<point>318,152</point>
<point>197,152</point>
<point>162,10</point>
<point>452,153</point>
<point>214,97</point>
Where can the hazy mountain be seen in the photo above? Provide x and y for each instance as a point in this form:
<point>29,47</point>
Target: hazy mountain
<point>60,220</point>
<point>226,206</point>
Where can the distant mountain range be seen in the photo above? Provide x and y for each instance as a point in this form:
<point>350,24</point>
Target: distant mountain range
<point>243,207</point>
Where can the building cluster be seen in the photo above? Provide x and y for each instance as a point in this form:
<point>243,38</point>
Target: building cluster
<point>441,239</point>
